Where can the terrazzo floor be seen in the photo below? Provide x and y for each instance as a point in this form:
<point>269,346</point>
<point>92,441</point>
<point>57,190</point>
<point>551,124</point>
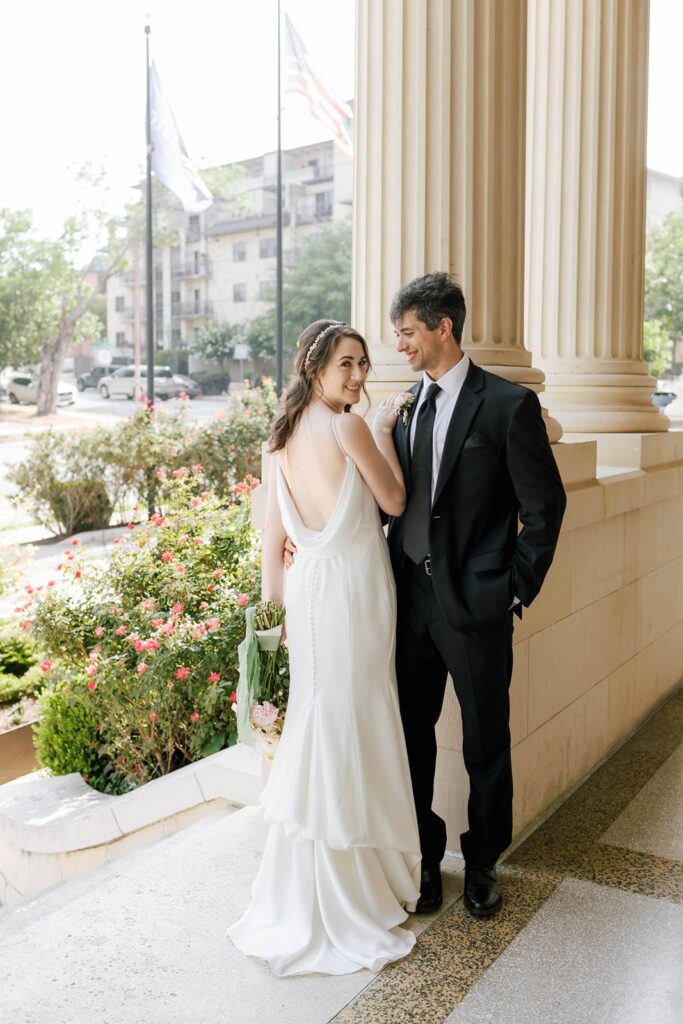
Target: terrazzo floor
<point>591,930</point>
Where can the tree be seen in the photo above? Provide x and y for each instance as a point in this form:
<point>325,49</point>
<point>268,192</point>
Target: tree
<point>50,293</point>
<point>664,275</point>
<point>217,342</point>
<point>656,347</point>
<point>317,287</point>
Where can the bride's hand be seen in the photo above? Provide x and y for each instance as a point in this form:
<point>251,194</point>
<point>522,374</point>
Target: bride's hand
<point>385,417</point>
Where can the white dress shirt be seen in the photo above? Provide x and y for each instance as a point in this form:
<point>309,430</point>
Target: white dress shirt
<point>450,383</point>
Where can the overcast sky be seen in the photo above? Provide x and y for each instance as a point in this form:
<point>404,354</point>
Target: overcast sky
<point>72,86</point>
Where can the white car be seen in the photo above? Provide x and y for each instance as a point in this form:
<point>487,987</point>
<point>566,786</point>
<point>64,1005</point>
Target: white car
<point>122,382</point>
<point>22,388</point>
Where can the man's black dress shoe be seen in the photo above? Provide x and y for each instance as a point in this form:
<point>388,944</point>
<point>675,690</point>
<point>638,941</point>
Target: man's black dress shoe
<point>482,895</point>
<point>431,895</point>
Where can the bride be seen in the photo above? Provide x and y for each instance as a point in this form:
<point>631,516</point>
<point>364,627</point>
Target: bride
<point>342,857</point>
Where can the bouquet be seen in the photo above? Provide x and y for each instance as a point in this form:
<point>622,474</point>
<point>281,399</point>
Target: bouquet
<point>263,685</point>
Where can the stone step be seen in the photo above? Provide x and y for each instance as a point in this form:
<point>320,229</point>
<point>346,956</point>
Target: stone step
<point>142,941</point>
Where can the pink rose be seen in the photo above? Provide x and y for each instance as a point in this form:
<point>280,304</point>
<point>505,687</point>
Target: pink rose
<point>178,609</point>
<point>167,556</point>
<point>153,717</point>
<point>194,717</point>
<point>99,630</point>
<point>91,670</point>
<point>215,677</point>
<point>182,672</point>
<point>142,668</point>
<point>92,685</point>
<point>121,630</point>
<point>218,573</point>
<point>46,665</point>
<point>213,624</point>
<point>242,600</point>
<point>263,715</point>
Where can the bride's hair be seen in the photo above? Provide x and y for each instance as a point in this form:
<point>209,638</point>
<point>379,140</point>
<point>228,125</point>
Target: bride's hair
<point>315,348</point>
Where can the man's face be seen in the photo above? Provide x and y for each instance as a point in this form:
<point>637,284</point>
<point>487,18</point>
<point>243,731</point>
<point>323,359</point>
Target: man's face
<point>422,348</point>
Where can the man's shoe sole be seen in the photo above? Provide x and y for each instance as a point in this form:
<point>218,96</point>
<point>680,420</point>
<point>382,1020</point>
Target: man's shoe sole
<point>483,911</point>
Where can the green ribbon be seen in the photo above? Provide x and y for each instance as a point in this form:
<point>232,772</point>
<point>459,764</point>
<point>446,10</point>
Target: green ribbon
<point>248,687</point>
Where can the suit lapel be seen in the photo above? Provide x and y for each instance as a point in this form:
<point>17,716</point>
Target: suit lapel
<point>466,406</point>
<point>402,435</point>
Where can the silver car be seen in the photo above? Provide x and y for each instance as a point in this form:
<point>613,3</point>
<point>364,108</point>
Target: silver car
<point>122,382</point>
<point>22,388</point>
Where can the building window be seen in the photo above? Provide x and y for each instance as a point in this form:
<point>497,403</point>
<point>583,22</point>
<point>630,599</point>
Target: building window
<point>120,339</point>
<point>267,247</point>
<point>323,204</point>
<point>197,257</point>
<point>193,226</point>
<point>119,303</point>
<point>239,293</point>
<point>175,334</point>
<point>239,252</point>
<point>196,300</point>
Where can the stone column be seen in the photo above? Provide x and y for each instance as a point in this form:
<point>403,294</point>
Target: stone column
<point>440,153</point>
<point>585,211</point>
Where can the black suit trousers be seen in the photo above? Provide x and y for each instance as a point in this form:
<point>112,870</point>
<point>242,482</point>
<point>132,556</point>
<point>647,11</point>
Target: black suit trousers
<point>480,664</point>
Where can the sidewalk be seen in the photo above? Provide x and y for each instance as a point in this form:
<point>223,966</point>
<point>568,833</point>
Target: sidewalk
<point>19,422</point>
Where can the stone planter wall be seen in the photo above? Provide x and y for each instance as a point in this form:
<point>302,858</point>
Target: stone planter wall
<point>55,828</point>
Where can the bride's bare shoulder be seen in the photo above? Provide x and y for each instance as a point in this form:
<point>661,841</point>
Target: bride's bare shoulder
<point>352,428</point>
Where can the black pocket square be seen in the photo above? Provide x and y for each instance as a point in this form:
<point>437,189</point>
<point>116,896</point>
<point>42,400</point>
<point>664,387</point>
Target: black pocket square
<point>477,440</point>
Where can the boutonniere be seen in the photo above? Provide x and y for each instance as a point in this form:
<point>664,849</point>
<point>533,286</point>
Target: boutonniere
<point>402,404</point>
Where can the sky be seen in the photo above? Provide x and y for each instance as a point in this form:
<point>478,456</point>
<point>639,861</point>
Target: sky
<point>72,86</point>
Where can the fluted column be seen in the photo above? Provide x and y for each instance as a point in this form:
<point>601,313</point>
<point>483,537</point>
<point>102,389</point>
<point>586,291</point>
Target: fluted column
<point>585,211</point>
<point>440,153</point>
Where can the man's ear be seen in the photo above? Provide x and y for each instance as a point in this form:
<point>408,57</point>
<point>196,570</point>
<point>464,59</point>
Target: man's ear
<point>446,327</point>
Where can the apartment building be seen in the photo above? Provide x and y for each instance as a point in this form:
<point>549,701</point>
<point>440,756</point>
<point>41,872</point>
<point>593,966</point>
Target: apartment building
<point>221,264</point>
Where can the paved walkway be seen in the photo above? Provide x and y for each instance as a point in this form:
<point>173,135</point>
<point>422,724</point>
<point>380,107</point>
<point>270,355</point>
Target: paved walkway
<point>591,931</point>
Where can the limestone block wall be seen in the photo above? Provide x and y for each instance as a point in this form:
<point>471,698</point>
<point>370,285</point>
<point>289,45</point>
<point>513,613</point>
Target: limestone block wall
<point>603,643</point>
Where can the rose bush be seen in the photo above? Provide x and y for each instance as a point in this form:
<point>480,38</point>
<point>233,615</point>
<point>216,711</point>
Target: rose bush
<point>144,651</point>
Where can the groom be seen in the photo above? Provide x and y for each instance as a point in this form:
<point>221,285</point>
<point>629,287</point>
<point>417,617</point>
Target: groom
<point>477,463</point>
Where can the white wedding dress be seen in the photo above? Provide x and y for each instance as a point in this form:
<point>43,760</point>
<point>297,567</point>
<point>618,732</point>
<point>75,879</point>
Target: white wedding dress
<point>342,856</point>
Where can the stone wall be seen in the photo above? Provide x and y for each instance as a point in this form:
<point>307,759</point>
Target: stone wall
<point>602,645</point>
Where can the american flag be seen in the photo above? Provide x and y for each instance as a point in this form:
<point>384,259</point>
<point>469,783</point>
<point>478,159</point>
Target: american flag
<point>301,78</point>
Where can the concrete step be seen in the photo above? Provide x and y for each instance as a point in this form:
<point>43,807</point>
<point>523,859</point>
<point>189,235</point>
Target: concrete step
<point>142,941</point>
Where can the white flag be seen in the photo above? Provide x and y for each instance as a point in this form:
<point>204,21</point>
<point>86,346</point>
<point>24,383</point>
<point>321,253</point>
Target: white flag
<point>170,161</point>
<point>300,77</point>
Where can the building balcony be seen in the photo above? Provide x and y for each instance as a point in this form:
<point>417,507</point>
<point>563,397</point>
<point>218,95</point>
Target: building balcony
<point>191,269</point>
<point>192,310</point>
<point>128,314</point>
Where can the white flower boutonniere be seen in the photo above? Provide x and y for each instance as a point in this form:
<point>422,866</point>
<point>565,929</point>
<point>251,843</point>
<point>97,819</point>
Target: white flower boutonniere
<point>402,403</point>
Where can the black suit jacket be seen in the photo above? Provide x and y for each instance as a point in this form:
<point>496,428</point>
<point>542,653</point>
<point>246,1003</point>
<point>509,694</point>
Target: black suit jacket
<point>497,470</point>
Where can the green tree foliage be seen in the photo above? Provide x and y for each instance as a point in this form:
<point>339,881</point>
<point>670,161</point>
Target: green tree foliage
<point>664,275</point>
<point>217,342</point>
<point>656,347</point>
<point>317,286</point>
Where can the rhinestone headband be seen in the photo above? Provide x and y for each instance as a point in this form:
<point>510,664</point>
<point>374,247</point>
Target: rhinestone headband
<point>330,327</point>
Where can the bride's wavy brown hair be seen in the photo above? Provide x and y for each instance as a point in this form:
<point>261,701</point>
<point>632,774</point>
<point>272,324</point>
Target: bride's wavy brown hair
<point>306,372</point>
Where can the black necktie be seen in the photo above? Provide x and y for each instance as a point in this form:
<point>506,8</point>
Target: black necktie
<point>419,508</point>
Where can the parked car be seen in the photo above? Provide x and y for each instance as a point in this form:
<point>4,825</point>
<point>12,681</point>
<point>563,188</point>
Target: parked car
<point>22,388</point>
<point>92,378</point>
<point>187,386</point>
<point>122,382</point>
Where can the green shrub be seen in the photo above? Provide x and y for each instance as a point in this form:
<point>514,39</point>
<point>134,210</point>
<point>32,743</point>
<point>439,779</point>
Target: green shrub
<point>79,505</point>
<point>17,653</point>
<point>77,481</point>
<point>13,688</point>
<point>67,737</point>
<point>150,643</point>
<point>212,382</point>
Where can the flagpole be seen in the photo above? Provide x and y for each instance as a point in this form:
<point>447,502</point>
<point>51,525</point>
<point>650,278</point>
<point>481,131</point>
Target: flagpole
<point>149,241</point>
<point>278,290</point>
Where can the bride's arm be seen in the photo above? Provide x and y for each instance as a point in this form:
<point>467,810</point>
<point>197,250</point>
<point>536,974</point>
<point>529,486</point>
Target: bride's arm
<point>274,535</point>
<point>376,459</point>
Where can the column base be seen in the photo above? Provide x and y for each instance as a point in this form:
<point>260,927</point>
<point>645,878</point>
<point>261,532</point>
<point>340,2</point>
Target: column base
<point>601,406</point>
